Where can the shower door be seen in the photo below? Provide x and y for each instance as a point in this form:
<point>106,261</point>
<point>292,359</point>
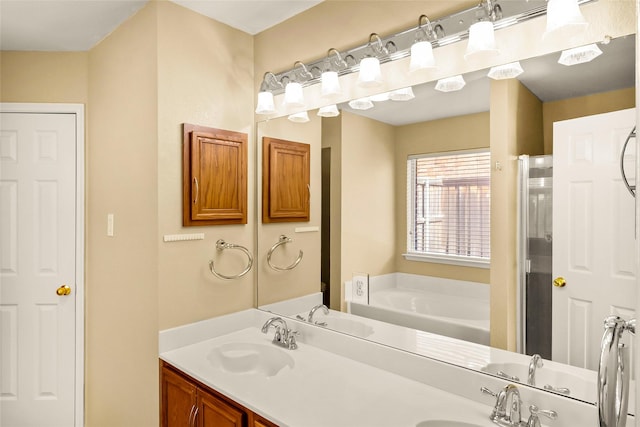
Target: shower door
<point>535,247</point>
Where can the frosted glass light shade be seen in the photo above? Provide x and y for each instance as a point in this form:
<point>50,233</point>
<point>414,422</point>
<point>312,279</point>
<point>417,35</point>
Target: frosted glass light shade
<point>579,55</point>
<point>302,117</point>
<point>482,40</point>
<point>265,103</point>
<point>361,104</point>
<point>564,20</point>
<point>330,84</point>
<point>422,57</point>
<point>404,94</point>
<point>380,97</point>
<point>329,111</point>
<point>506,71</point>
<point>370,74</point>
<point>293,96</point>
<point>450,84</point>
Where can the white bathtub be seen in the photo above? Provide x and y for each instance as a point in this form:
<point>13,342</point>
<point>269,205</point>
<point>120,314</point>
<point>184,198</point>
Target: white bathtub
<point>447,307</point>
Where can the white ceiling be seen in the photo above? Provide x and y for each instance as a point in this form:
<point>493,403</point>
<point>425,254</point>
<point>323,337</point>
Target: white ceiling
<point>77,25</point>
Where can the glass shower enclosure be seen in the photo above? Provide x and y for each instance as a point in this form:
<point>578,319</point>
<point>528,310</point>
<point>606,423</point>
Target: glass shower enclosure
<point>535,236</point>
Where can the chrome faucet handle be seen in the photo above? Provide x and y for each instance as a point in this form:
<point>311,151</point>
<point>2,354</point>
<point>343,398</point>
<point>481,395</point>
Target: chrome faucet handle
<point>631,326</point>
<point>499,414</point>
<point>507,376</point>
<point>561,390</point>
<point>291,339</point>
<point>499,411</point>
<point>534,420</point>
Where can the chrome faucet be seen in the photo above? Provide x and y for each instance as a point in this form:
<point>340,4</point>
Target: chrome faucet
<point>536,362</point>
<point>324,308</point>
<point>507,399</point>
<point>284,337</point>
<point>534,420</point>
<point>613,373</point>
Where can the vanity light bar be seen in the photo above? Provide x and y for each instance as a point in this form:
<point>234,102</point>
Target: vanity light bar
<point>455,28</point>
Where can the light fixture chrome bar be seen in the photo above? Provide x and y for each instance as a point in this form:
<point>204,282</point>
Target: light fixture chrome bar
<point>455,26</point>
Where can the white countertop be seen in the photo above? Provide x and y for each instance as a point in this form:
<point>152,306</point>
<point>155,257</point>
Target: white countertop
<point>339,380</point>
<point>324,389</point>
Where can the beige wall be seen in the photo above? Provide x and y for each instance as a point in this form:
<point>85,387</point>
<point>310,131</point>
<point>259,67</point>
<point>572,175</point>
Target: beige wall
<point>516,128</point>
<point>583,106</point>
<point>205,70</point>
<point>305,277</point>
<point>122,271</point>
<point>368,211</point>
<point>452,134</point>
<point>44,77</point>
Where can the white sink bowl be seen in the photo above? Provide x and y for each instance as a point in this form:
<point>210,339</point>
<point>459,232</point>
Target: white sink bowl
<point>445,423</point>
<point>582,388</point>
<point>250,358</point>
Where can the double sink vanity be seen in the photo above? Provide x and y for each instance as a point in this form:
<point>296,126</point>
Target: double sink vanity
<point>253,368</point>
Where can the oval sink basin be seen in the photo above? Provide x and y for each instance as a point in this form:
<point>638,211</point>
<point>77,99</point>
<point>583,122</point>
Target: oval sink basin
<point>445,423</point>
<point>250,358</point>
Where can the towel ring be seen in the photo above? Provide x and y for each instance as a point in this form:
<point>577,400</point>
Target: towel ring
<point>222,245</point>
<point>283,239</point>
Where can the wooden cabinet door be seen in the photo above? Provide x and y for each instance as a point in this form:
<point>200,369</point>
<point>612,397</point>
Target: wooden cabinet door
<point>214,412</point>
<point>178,400</point>
<point>286,181</point>
<point>187,403</point>
<point>214,176</point>
<point>258,421</point>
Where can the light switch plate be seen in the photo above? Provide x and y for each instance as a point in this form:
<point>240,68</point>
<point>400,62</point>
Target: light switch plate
<point>360,288</point>
<point>110,225</point>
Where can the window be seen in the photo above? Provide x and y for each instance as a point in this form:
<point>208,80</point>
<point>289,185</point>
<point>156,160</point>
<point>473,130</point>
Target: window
<point>449,208</point>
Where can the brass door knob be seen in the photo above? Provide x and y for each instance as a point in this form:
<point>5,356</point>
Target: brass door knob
<point>559,282</point>
<point>63,290</point>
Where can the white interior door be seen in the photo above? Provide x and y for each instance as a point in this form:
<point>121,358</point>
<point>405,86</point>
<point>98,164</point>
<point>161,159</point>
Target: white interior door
<point>38,257</point>
<point>593,234</point>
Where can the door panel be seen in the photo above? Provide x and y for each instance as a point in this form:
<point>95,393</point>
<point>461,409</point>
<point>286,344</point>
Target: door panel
<point>38,226</point>
<point>594,234</point>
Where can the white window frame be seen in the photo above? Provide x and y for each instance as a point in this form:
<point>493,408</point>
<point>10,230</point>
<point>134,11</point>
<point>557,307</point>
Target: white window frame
<point>411,255</point>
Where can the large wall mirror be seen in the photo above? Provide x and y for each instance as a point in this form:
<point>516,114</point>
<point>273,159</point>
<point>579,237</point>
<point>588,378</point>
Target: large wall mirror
<point>355,240</point>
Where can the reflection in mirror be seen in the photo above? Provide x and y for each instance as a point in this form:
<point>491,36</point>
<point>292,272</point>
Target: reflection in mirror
<point>362,223</point>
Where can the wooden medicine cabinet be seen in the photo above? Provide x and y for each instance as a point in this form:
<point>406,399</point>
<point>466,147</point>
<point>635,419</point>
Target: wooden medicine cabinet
<point>285,180</point>
<point>214,165</point>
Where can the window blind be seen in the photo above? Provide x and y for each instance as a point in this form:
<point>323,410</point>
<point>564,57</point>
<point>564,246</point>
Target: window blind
<point>449,199</point>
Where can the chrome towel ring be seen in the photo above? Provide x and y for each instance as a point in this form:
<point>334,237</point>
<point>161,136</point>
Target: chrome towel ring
<point>283,239</point>
<point>222,245</point>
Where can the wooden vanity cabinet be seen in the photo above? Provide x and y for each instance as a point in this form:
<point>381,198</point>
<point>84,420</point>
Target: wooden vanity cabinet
<point>185,402</point>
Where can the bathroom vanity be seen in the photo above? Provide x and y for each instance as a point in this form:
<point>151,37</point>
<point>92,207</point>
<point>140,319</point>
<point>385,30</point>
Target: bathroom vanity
<point>226,369</point>
<point>186,400</point>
